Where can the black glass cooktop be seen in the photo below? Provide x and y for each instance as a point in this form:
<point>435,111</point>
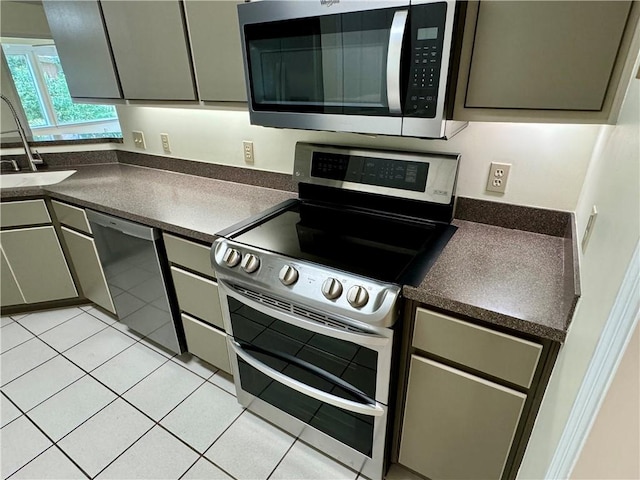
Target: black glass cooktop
<point>382,247</point>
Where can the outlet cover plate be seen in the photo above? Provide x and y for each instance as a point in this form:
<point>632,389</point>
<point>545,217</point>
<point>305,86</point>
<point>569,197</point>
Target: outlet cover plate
<point>498,175</point>
<point>138,139</point>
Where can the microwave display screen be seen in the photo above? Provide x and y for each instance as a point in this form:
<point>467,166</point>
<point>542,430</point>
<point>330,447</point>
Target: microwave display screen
<point>382,172</point>
<point>430,33</point>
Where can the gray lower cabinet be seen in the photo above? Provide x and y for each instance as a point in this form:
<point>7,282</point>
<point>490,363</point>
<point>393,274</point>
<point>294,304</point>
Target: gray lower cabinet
<point>37,264</point>
<point>456,425</point>
<point>10,293</point>
<point>85,260</point>
<point>467,392</point>
<point>198,299</point>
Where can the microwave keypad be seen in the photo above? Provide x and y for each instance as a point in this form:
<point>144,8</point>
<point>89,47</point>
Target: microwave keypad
<point>423,82</point>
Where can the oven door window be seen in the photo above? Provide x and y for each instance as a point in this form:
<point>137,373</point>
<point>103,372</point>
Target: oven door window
<point>328,64</point>
<point>336,367</point>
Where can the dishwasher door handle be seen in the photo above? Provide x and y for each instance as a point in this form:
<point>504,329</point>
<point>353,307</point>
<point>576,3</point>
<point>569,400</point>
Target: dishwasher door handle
<point>123,226</point>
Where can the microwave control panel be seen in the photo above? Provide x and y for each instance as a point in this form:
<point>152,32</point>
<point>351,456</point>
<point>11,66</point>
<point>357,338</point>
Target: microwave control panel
<point>427,33</point>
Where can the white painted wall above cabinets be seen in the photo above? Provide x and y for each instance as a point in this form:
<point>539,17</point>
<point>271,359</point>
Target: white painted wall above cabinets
<point>549,160</point>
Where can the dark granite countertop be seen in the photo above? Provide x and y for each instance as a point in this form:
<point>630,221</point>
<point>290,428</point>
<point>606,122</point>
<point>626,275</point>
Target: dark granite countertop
<point>520,280</point>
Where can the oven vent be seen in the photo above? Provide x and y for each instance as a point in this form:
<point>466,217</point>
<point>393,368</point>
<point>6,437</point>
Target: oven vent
<point>296,310</point>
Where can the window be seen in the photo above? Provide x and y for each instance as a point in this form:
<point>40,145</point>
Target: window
<point>42,88</point>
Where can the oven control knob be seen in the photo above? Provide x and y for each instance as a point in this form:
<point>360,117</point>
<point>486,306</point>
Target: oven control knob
<point>288,275</point>
<point>250,263</point>
<point>231,257</point>
<point>357,296</point>
<point>331,288</point>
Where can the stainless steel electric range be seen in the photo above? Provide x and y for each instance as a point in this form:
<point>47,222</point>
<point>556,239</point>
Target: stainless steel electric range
<point>311,292</point>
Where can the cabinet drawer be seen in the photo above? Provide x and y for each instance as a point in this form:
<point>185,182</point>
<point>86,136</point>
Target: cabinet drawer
<point>27,212</point>
<point>457,425</point>
<point>71,216</point>
<point>206,342</point>
<point>198,296</point>
<point>509,358</point>
<point>191,255</point>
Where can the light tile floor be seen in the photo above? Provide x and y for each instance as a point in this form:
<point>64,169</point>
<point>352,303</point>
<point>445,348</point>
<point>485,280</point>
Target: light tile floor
<point>84,397</point>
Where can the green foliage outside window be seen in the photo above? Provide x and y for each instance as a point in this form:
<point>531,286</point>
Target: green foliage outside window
<point>27,90</point>
<point>65,110</point>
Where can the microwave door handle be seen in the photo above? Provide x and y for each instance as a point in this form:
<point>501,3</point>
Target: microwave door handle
<point>394,54</point>
<point>370,410</point>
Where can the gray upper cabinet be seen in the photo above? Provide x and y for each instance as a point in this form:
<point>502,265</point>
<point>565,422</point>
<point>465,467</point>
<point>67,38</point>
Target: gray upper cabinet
<point>83,47</point>
<point>149,43</point>
<point>217,51</point>
<point>553,60</point>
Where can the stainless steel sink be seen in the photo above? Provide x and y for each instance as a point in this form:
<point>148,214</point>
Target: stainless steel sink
<point>34,179</point>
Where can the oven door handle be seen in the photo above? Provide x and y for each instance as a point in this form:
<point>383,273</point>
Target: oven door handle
<point>394,55</point>
<point>373,410</point>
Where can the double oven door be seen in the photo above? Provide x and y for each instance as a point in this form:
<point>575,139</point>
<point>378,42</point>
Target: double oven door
<point>317,378</point>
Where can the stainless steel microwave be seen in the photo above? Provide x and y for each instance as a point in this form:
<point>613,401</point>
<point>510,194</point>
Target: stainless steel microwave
<point>375,67</point>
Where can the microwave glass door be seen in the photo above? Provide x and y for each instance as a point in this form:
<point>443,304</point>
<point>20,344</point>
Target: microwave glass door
<point>337,367</point>
<point>327,64</point>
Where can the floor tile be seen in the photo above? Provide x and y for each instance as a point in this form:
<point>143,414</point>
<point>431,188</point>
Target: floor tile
<point>157,455</point>
<point>196,365</point>
<point>165,352</point>
<point>18,317</point>
<point>203,468</point>
<point>23,358</point>
<point>39,322</point>
<point>20,442</point>
<point>67,409</point>
<point>250,448</point>
<point>396,472</point>
<point>216,411</point>
<point>100,315</point>
<point>103,437</point>
<point>89,306</point>
<point>96,350</point>
<point>50,465</point>
<point>42,382</point>
<point>161,391</point>
<point>5,321</point>
<point>224,381</point>
<point>121,327</point>
<point>13,335</point>
<point>128,367</point>
<point>305,463</point>
<point>73,331</point>
<point>8,411</point>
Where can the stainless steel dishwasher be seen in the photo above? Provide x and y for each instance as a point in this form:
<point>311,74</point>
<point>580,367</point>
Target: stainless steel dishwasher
<point>136,274</point>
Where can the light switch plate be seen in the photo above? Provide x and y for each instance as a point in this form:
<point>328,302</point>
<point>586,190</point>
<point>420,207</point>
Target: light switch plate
<point>138,139</point>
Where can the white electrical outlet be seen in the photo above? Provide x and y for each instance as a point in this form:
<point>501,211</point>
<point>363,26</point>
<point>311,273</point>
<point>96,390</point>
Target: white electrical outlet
<point>247,148</point>
<point>164,137</point>
<point>138,139</point>
<point>498,175</point>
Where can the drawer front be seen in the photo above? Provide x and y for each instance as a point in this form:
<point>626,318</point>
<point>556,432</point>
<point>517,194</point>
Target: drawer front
<point>206,342</point>
<point>27,212</point>
<point>71,216</point>
<point>198,296</point>
<point>504,356</point>
<point>191,255</point>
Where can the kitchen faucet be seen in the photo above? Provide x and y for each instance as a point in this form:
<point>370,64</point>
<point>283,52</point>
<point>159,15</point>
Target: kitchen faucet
<point>23,136</point>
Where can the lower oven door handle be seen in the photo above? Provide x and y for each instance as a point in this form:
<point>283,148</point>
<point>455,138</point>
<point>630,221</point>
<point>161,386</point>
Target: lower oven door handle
<point>374,410</point>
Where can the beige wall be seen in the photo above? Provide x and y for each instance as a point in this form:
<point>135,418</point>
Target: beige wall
<point>549,161</point>
<point>612,184</point>
<point>618,418</point>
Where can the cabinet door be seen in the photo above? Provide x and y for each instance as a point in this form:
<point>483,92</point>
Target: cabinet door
<point>217,52</point>
<point>83,48</point>
<point>206,342</point>
<point>85,260</point>
<point>150,49</point>
<point>554,55</point>
<point>38,264</point>
<point>457,425</point>
<point>198,296</point>
<point>10,293</point>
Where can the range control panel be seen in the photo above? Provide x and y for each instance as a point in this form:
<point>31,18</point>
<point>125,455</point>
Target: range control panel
<point>427,39</point>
